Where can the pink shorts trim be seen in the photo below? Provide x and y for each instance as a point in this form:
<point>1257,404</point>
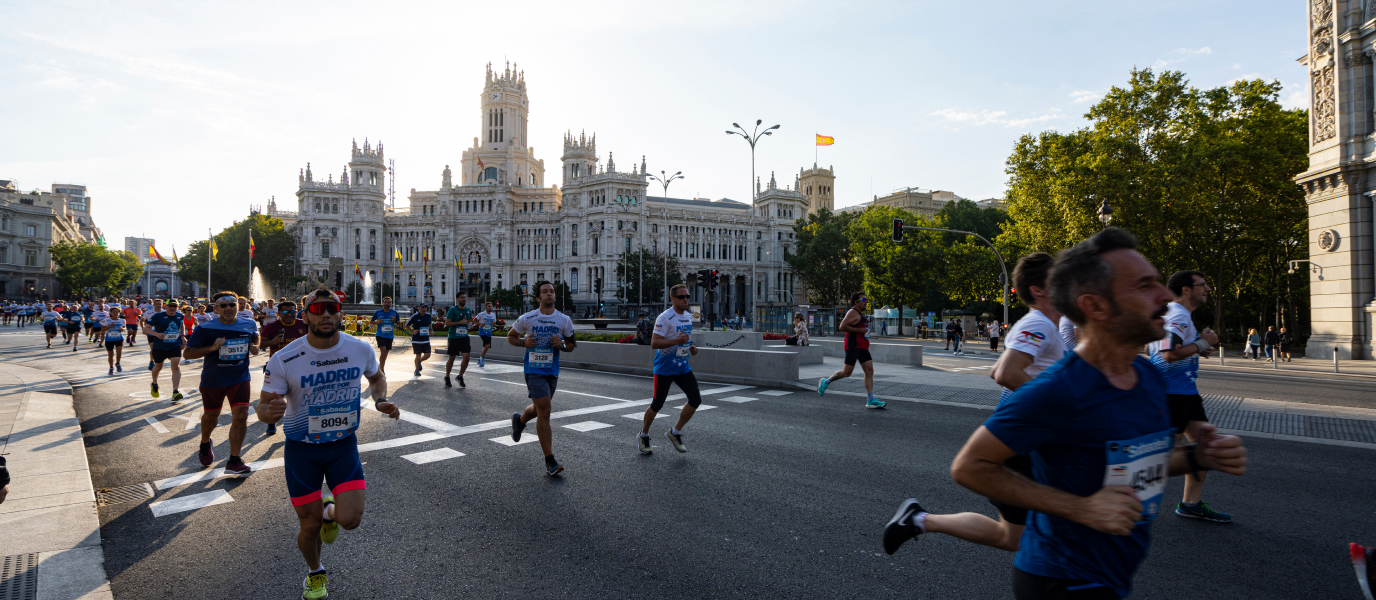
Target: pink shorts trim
<point>348,486</point>
<point>307,499</point>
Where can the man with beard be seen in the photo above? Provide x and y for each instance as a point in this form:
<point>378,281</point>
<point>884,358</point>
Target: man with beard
<point>284,329</point>
<point>457,319</point>
<point>547,333</point>
<point>1098,429</point>
<point>312,387</point>
<point>386,321</point>
<point>226,344</point>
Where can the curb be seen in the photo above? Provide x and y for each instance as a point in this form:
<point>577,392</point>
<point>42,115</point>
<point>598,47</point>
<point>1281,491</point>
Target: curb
<point>50,516</point>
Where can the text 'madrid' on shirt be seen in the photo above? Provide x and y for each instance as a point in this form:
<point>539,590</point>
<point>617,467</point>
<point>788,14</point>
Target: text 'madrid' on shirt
<point>674,359</point>
<point>387,327</point>
<point>1036,336</point>
<point>322,388</point>
<point>1082,434</point>
<point>549,331</point>
<point>485,322</point>
<point>1181,374</point>
<point>457,314</point>
<point>229,364</point>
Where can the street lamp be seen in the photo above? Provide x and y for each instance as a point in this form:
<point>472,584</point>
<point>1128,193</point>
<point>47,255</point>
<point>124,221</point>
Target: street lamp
<point>1105,213</point>
<point>752,137</point>
<point>665,180</point>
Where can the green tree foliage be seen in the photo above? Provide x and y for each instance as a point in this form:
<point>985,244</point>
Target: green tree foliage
<point>506,297</point>
<point>647,275</point>
<point>823,261</point>
<point>965,215</point>
<point>275,248</point>
<point>1202,177</point>
<point>86,270</point>
<point>895,274</point>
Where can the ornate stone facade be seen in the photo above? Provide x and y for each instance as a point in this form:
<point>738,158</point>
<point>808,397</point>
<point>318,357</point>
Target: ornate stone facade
<point>510,225</point>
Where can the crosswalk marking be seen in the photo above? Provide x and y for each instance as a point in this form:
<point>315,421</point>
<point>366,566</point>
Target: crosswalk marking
<point>525,439</point>
<point>700,407</point>
<point>642,415</point>
<point>773,392</point>
<point>739,399</point>
<point>192,502</point>
<point>587,426</point>
<point>158,427</point>
<point>430,456</point>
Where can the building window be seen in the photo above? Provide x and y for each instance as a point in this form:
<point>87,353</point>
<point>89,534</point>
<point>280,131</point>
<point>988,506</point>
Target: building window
<point>574,248</point>
<point>317,231</point>
<point>759,254</point>
<point>334,208</point>
<point>324,249</point>
<point>358,252</point>
<point>372,252</point>
<point>334,232</point>
<point>30,258</point>
<point>4,255</point>
<point>595,245</point>
<point>317,207</point>
<point>30,230</point>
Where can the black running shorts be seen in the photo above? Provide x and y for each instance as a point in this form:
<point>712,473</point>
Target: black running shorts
<point>1185,408</point>
<point>1016,515</point>
<point>112,344</point>
<point>160,355</point>
<point>458,346</point>
<point>383,342</point>
<point>861,355</point>
<point>1027,586</point>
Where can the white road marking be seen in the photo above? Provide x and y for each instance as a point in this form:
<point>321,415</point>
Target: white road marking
<point>192,502</point>
<point>430,456</point>
<point>587,426</point>
<point>739,399</point>
<point>641,416</point>
<point>191,422</point>
<point>773,392</point>
<point>700,407</point>
<point>158,427</point>
<point>525,439</point>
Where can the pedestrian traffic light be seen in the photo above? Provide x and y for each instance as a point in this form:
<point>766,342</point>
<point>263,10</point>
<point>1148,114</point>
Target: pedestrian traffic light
<point>898,230</point>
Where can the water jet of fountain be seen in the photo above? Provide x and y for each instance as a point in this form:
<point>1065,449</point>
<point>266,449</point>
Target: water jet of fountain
<point>258,288</point>
<point>368,288</point>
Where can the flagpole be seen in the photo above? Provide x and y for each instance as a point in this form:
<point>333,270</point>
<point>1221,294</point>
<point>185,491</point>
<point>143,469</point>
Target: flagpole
<point>250,261</point>
<point>210,260</point>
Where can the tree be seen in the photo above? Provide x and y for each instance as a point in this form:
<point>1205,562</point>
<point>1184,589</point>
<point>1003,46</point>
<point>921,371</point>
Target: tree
<point>647,275</point>
<point>563,296</point>
<point>965,215</point>
<point>274,255</point>
<point>896,274</point>
<point>823,260</point>
<point>83,268</point>
<point>508,297</point>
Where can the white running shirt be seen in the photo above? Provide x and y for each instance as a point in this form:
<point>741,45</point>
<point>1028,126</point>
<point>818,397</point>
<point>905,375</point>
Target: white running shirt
<point>1067,331</point>
<point>321,387</point>
<point>1036,336</point>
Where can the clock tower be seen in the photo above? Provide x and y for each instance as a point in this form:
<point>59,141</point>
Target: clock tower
<point>499,154</point>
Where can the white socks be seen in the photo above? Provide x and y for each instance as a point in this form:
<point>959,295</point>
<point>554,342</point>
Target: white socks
<point>920,521</point>
<point>675,431</point>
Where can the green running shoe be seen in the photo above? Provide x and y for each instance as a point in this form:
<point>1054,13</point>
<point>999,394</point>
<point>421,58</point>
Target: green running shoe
<point>875,403</point>
<point>155,390</point>
<point>822,386</point>
<point>1202,511</point>
<point>329,530</point>
<point>314,587</point>
<point>176,396</point>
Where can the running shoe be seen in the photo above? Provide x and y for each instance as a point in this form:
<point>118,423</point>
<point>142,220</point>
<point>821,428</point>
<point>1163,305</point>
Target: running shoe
<point>553,468</point>
<point>329,530</point>
<point>481,362</point>
<point>875,403</point>
<point>901,527</point>
<point>1202,511</point>
<point>272,429</point>
<point>177,397</point>
<point>119,368</point>
<point>822,386</point>
<point>446,382</point>
<point>112,370</point>
<point>417,372</point>
<point>313,588</point>
<point>74,346</point>
<point>237,468</point>
<point>644,442</point>
<point>1363,559</point>
<point>461,383</point>
<point>516,427</point>
<point>155,390</point>
<point>676,440</point>
<point>206,455</point>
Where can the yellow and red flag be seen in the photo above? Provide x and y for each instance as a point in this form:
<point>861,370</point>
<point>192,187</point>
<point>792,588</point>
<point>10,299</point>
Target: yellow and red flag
<point>153,253</point>
<point>251,247</point>
<point>358,272</point>
<point>825,140</point>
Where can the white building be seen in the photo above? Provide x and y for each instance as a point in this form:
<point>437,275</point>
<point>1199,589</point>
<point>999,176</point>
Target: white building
<point>510,224</point>
<point>139,247</point>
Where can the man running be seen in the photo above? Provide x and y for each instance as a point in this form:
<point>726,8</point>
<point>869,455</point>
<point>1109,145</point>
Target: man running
<point>386,321</point>
<point>131,315</point>
<point>547,333</point>
<point>166,335</point>
<point>1177,356</point>
<point>1033,346</point>
<point>50,318</point>
<point>269,313</point>
<point>419,327</point>
<point>277,334</point>
<point>1097,427</point>
<point>312,388</point>
<point>88,311</point>
<point>226,344</point>
<point>112,332</point>
<point>73,323</point>
<point>486,320</point>
<point>857,345</point>
<point>457,319</point>
<point>672,342</point>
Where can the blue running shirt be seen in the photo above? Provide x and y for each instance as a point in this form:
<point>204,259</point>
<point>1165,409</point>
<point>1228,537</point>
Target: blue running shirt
<point>228,365</point>
<point>421,324</point>
<point>485,322</point>
<point>549,331</point>
<point>1082,434</point>
<point>389,319</point>
<point>1181,374</point>
<point>321,387</point>
<point>172,326</point>
<point>674,359</point>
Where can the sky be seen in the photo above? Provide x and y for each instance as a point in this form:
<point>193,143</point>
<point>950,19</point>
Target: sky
<point>180,116</point>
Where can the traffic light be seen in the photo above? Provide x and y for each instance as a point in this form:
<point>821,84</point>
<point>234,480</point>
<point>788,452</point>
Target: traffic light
<point>713,282</point>
<point>597,286</point>
<point>898,231</point>
<point>338,280</point>
<point>705,279</point>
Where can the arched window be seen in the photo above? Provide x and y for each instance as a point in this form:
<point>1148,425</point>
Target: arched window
<point>334,208</point>
<point>490,173</point>
<point>533,182</point>
<point>317,207</point>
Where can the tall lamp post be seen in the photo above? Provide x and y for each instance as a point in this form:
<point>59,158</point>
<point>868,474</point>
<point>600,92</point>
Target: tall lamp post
<point>665,180</point>
<point>1105,213</point>
<point>752,138</point>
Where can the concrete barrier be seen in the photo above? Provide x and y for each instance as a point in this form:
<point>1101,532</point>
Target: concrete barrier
<point>717,365</point>
<point>807,355</point>
<point>898,354</point>
<point>739,340</point>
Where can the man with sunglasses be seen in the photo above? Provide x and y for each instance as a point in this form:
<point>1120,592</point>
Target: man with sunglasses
<point>857,345</point>
<point>226,344</point>
<point>419,328</point>
<point>386,321</point>
<point>547,332</point>
<point>457,319</point>
<point>312,386</point>
<point>166,335</point>
<point>485,320</point>
<point>283,330</point>
<point>111,332</point>
<point>672,342</point>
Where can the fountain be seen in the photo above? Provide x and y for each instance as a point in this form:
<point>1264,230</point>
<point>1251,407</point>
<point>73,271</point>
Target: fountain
<point>258,288</point>
<point>368,288</point>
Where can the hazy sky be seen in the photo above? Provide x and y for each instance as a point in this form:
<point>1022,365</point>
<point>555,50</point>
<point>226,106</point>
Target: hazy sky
<point>180,115</point>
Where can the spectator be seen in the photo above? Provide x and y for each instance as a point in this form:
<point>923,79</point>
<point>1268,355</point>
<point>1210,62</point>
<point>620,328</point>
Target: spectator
<point>1285,341</point>
<point>644,329</point>
<point>957,335</point>
<point>4,480</point>
<point>950,333</point>
<point>995,330</point>
<point>1272,340</point>
<point>799,337</point>
<point>883,327</point>
<point>1253,343</point>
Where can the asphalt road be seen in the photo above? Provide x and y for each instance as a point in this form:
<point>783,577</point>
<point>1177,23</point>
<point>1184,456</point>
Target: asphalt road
<point>782,496</point>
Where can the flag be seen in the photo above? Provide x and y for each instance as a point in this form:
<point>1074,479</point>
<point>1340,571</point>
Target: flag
<point>214,250</point>
<point>174,255</point>
<point>825,140</point>
<point>251,247</point>
<point>397,253</point>
<point>358,272</point>
<point>458,263</point>
<point>480,163</point>
<point>153,254</point>
<point>425,263</point>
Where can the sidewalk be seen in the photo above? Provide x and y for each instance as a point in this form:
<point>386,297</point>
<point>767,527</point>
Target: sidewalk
<point>49,527</point>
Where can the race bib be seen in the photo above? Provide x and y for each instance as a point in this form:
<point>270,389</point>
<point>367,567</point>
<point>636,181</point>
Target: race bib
<point>114,335</point>
<point>423,332</point>
<point>171,335</point>
<point>384,329</point>
<point>1142,463</point>
<point>683,351</point>
<point>234,350</point>
<point>540,358</point>
<point>333,421</point>
<point>460,331</point>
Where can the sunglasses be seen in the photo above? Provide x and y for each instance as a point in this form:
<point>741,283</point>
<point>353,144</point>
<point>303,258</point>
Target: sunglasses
<point>682,297</point>
<point>324,308</point>
<point>227,305</point>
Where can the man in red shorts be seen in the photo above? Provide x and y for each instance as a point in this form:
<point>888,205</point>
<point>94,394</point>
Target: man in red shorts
<point>226,344</point>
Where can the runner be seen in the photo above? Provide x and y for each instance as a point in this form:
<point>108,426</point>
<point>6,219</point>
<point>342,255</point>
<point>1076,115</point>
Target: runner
<point>226,344</point>
<point>386,321</point>
<point>246,310</point>
<point>485,319</point>
<point>1033,345</point>
<point>8,308</point>
<point>1097,428</point>
<point>112,332</point>
<point>1177,356</point>
<point>857,345</point>
<point>419,328</point>
<point>269,313</point>
<point>957,336</point>
<point>156,309</point>
<point>165,332</point>
<point>131,316</point>
<point>277,334</point>
<point>547,332</point>
<point>672,342</point>
<point>457,320</point>
<point>50,318</point>
<point>1068,331</point>
<point>88,311</point>
<point>313,390</point>
<point>74,320</point>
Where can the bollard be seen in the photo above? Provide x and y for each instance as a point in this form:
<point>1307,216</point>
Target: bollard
<point>1335,359</point>
<point>1274,353</point>
<point>1220,356</point>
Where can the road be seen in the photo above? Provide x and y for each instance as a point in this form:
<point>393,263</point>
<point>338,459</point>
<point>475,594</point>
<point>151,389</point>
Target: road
<point>782,495</point>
